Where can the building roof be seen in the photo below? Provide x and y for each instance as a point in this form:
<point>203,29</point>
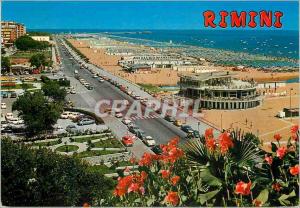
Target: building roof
<point>209,75</point>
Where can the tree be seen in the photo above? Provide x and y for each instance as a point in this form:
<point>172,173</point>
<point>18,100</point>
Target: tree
<point>43,178</point>
<point>38,60</point>
<point>26,43</point>
<point>37,112</point>
<point>5,63</point>
<point>52,89</point>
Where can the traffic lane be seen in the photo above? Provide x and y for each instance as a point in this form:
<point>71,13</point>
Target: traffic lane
<point>159,130</point>
<point>150,127</point>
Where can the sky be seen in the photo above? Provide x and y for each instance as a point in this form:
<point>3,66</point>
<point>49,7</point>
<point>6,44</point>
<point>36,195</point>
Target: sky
<point>132,15</point>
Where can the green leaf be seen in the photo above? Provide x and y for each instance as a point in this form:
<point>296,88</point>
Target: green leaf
<point>150,202</point>
<point>273,147</point>
<point>207,196</point>
<point>283,198</point>
<point>263,196</point>
<point>209,179</point>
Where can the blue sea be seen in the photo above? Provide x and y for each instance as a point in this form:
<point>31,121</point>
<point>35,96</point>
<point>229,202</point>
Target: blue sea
<point>278,43</point>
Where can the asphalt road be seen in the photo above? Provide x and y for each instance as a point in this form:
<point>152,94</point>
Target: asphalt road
<point>158,128</point>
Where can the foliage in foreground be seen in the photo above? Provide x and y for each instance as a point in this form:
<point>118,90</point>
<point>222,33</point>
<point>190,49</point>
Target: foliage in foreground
<point>43,178</point>
<point>230,170</point>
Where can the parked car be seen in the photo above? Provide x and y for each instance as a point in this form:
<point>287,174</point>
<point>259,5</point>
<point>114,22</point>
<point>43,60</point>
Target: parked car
<point>71,128</point>
<point>169,118</point>
<point>126,121</point>
<point>149,141</point>
<point>119,115</point>
<point>13,95</point>
<point>157,150</point>
<point>5,95</point>
<point>73,91</point>
<point>9,116</point>
<point>127,141</point>
<point>65,115</point>
<point>100,80</point>
<point>3,105</point>
<point>133,129</point>
<point>178,122</point>
<point>187,129</point>
<point>86,121</point>
<point>140,134</point>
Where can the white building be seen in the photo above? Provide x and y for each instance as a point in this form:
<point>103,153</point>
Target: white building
<point>41,38</point>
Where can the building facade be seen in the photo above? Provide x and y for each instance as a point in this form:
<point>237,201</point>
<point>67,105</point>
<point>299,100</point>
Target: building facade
<point>218,90</point>
<point>41,38</point>
<point>10,31</point>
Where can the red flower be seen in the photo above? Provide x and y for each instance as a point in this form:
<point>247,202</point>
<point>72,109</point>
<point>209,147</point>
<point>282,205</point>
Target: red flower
<point>243,188</point>
<point>277,137</point>
<point>174,180</point>
<point>294,129</point>
<point>86,204</point>
<point>210,144</point>
<point>146,159</point>
<point>276,187</point>
<point>257,203</point>
<point>294,170</point>
<point>132,160</point>
<point>134,187</point>
<point>281,151</point>
<point>225,142</point>
<point>172,198</point>
<point>144,175</point>
<point>209,133</point>
<point>165,174</point>
<point>269,160</point>
<point>127,169</point>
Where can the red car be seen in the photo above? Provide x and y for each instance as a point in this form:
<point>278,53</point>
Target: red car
<point>127,141</point>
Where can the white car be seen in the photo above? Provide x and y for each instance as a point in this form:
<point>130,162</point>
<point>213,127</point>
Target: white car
<point>65,115</point>
<point>149,141</point>
<point>119,115</point>
<point>126,121</point>
<point>14,121</point>
<point>73,115</point>
<point>3,105</point>
<point>73,91</point>
<point>9,116</point>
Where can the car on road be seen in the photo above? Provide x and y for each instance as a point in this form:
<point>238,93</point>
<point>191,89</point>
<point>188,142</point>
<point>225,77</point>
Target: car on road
<point>178,122</point>
<point>119,115</point>
<point>126,121</point>
<point>3,105</point>
<point>89,87</point>
<point>85,121</point>
<point>128,141</point>
<point>100,80</point>
<point>187,129</point>
<point>196,134</point>
<point>4,124</point>
<point>157,150</point>
<point>133,129</point>
<point>149,141</point>
<point>169,118</point>
<point>73,91</point>
<point>95,76</point>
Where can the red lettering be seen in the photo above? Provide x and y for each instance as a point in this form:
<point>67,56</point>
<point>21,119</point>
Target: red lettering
<point>209,18</point>
<point>252,22</point>
<point>265,18</point>
<point>277,23</point>
<point>223,15</point>
<point>236,20</point>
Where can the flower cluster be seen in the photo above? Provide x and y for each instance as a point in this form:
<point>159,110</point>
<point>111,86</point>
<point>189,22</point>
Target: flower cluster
<point>225,141</point>
<point>131,183</point>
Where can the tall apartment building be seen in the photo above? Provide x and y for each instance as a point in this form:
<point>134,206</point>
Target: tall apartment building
<point>10,31</point>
